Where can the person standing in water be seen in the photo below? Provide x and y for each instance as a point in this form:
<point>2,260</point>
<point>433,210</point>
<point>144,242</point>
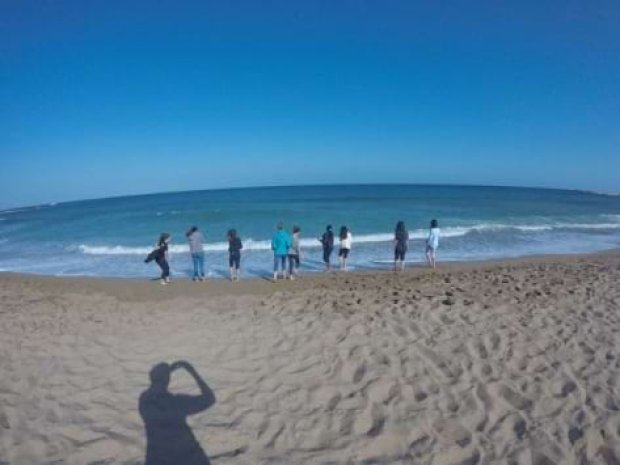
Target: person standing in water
<point>196,250</point>
<point>401,239</point>
<point>234,254</point>
<point>280,244</point>
<point>345,247</point>
<point>432,243</point>
<point>294,254</point>
<point>160,255</point>
<point>327,242</point>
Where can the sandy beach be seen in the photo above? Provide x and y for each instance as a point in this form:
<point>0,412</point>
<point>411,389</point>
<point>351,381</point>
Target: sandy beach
<point>513,362</point>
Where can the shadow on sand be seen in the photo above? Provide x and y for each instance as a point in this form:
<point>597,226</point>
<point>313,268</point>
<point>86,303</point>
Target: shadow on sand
<point>169,439</point>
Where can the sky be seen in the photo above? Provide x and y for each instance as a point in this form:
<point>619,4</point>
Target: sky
<point>107,98</point>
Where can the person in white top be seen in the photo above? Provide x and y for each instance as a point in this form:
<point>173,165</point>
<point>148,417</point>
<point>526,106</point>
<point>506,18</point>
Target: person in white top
<point>432,243</point>
<point>345,247</point>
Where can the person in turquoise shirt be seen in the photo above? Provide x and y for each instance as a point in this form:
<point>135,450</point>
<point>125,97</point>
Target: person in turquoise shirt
<point>280,243</point>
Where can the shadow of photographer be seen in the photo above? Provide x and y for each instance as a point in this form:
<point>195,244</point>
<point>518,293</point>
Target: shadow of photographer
<point>169,439</point>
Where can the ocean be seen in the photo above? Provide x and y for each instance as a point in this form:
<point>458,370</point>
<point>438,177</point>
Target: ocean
<point>111,237</point>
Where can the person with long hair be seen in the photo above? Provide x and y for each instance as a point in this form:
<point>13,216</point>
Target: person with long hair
<point>196,250</point>
<point>160,255</point>
<point>432,242</point>
<point>234,254</point>
<point>401,239</point>
<point>345,247</point>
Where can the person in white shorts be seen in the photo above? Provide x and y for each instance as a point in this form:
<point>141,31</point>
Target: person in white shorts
<point>345,247</point>
<point>432,243</point>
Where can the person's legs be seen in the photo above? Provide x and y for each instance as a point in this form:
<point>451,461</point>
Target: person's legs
<point>276,263</point>
<point>326,254</point>
<point>160,264</point>
<point>402,261</point>
<point>290,265</point>
<point>195,265</point>
<point>430,256</point>
<point>237,264</point>
<point>293,265</point>
<point>231,263</point>
<point>283,265</point>
<point>201,265</point>
<point>165,270</point>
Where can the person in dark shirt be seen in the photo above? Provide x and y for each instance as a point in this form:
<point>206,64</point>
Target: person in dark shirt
<point>327,241</point>
<point>401,239</point>
<point>234,254</point>
<point>160,255</point>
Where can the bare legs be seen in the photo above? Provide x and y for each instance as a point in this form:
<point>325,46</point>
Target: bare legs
<point>430,256</point>
<point>234,274</point>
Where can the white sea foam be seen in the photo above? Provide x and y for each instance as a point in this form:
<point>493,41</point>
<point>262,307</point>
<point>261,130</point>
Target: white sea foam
<point>605,193</point>
<point>15,210</point>
<point>258,245</point>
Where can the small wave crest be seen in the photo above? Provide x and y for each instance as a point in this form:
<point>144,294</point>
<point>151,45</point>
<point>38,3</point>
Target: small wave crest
<point>258,245</point>
<point>15,210</point>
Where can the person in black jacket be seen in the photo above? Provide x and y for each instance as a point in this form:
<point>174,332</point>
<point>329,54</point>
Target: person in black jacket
<point>160,255</point>
<point>234,254</point>
<point>401,239</point>
<point>327,241</point>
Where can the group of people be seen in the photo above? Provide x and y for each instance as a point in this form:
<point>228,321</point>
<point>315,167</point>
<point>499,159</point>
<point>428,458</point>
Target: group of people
<point>286,249</point>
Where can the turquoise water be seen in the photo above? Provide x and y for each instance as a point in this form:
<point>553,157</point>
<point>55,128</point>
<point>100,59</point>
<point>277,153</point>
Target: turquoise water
<point>111,237</point>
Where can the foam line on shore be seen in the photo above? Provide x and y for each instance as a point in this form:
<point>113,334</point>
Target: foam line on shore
<point>252,244</point>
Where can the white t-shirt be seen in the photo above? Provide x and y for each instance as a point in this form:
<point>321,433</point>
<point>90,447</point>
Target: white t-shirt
<point>433,238</point>
<point>346,243</point>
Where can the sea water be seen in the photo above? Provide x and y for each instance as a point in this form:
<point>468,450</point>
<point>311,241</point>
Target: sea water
<point>111,237</point>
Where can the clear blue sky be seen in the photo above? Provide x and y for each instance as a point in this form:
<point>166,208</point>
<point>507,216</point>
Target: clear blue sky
<point>101,98</point>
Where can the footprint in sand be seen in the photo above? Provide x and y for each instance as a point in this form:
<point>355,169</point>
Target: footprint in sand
<point>359,373</point>
<point>451,432</point>
<point>515,399</point>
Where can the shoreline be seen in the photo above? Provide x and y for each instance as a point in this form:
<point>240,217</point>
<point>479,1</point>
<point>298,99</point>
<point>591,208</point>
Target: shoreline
<point>253,285</point>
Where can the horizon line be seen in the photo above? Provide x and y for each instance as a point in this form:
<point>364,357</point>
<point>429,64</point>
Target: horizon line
<point>275,186</point>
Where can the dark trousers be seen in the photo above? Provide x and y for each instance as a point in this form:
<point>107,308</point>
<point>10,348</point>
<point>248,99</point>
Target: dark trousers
<point>293,263</point>
<point>165,268</point>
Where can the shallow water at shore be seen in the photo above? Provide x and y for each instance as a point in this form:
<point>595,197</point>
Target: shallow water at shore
<point>111,237</point>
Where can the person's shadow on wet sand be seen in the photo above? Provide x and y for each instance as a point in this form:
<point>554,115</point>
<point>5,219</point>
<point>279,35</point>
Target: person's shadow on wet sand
<point>169,439</point>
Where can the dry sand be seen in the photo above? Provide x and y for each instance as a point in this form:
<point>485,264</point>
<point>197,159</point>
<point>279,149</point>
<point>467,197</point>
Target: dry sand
<point>510,362</point>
